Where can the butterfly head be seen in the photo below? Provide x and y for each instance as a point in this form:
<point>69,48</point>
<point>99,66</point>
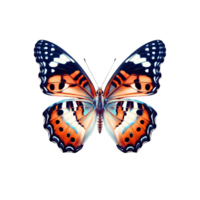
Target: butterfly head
<point>99,92</point>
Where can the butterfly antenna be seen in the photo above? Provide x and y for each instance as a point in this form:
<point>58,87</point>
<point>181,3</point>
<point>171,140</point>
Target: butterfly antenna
<point>108,73</point>
<point>91,73</point>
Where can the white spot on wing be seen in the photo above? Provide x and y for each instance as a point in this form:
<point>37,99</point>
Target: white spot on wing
<point>64,57</point>
<point>74,124</point>
<point>133,86</point>
<point>132,117</point>
<point>53,64</point>
<point>146,64</point>
<point>65,87</point>
<point>80,130</point>
<point>44,64</point>
<point>44,79</point>
<point>136,59</point>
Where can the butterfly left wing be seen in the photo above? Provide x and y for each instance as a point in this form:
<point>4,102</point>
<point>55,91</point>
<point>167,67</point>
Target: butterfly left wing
<point>129,123</point>
<point>60,74</point>
<point>70,123</point>
<point>139,74</point>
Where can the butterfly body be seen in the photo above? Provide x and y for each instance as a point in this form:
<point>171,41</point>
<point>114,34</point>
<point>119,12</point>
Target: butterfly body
<point>100,102</point>
<point>129,122</point>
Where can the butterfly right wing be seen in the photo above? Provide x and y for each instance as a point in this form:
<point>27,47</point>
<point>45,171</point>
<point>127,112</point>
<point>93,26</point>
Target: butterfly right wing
<point>70,123</point>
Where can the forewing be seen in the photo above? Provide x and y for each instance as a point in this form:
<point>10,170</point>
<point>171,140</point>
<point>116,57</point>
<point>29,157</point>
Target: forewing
<point>139,74</point>
<point>60,74</point>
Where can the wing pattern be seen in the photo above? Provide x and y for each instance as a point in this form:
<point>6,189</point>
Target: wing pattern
<point>60,74</point>
<point>70,123</point>
<point>129,123</point>
<point>139,74</point>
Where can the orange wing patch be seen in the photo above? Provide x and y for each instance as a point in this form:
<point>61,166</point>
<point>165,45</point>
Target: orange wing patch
<point>140,83</point>
<point>132,135</point>
<point>135,85</point>
<point>132,123</point>
<point>65,84</point>
<point>83,82</point>
<point>115,82</point>
<point>71,120</point>
<point>63,129</point>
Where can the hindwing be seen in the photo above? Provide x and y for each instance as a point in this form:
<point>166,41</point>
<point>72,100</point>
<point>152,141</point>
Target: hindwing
<point>70,123</point>
<point>129,123</point>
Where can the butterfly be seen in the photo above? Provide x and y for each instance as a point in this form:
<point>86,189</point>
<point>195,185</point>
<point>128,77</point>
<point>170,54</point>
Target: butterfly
<point>70,122</point>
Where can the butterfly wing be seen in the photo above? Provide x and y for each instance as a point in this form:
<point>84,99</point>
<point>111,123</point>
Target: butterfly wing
<point>60,74</point>
<point>139,74</point>
<point>70,123</point>
<point>130,122</point>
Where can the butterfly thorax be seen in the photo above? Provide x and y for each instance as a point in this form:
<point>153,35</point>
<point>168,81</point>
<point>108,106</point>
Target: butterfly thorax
<point>99,109</point>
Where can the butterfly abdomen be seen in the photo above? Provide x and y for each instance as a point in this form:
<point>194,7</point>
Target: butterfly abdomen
<point>99,128</point>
